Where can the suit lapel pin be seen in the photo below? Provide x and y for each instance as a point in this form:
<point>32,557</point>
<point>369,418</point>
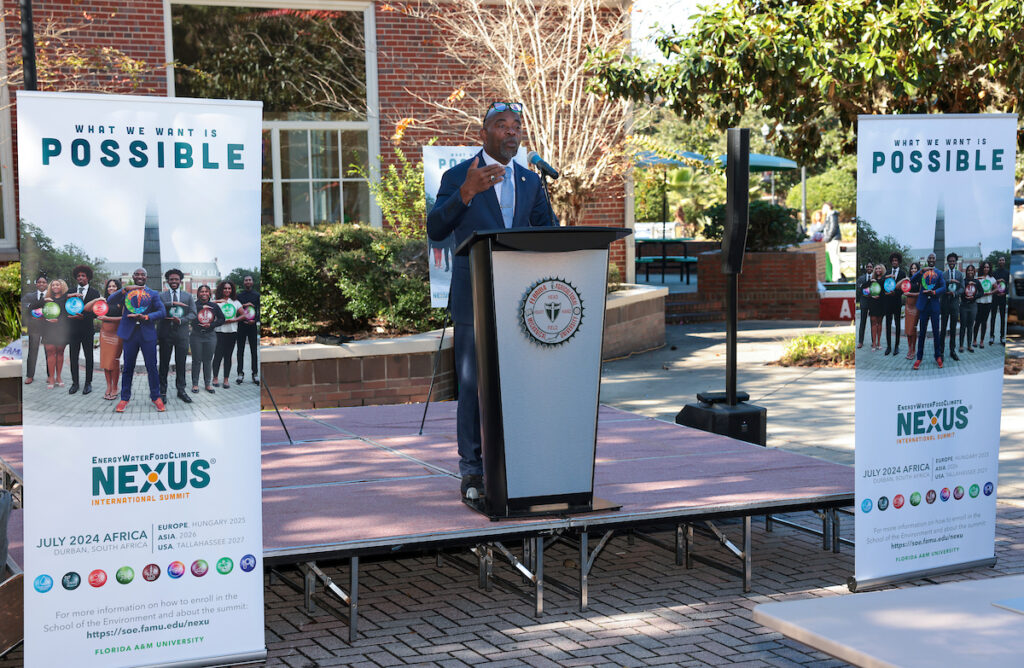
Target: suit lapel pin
<point>522,178</point>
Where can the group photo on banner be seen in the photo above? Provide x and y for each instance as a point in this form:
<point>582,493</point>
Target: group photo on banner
<point>937,191</point>
<point>140,252</point>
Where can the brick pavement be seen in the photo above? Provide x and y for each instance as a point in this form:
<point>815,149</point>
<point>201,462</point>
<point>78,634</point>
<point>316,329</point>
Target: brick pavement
<point>876,365</point>
<point>644,610</point>
<point>56,407</point>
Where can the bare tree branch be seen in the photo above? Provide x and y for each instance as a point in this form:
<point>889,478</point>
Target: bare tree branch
<point>535,53</point>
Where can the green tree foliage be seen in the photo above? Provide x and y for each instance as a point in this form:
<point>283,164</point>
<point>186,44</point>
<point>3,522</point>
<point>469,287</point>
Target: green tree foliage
<point>399,193</point>
<point>238,273</point>
<point>872,249</point>
<point>801,63</point>
<point>994,256</point>
<point>647,196</point>
<point>40,256</point>
<point>837,186</point>
<point>10,300</point>
<point>772,227</point>
<point>292,60</point>
<point>335,279</point>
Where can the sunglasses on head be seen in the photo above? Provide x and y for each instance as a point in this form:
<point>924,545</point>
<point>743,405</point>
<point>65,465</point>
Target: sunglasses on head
<point>498,107</point>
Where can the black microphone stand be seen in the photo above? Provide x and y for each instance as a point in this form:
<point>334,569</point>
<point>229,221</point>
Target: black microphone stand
<point>547,196</point>
<point>437,358</point>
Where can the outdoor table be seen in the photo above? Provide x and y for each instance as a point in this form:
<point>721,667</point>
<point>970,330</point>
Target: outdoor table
<point>661,248</point>
<point>933,625</point>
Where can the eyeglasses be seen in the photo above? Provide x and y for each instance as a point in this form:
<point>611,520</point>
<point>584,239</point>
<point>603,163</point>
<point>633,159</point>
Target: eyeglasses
<point>498,107</point>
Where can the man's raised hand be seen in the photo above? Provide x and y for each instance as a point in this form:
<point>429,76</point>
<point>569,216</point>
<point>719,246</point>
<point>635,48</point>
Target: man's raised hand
<point>479,179</point>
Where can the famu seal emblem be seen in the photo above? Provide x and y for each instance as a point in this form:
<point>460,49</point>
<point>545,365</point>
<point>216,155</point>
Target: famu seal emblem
<point>551,311</point>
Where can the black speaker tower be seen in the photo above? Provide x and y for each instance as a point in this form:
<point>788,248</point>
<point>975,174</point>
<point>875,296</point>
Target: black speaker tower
<point>727,413</point>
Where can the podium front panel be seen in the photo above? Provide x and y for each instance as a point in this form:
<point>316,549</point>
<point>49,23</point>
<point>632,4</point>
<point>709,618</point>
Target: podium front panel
<point>549,322</point>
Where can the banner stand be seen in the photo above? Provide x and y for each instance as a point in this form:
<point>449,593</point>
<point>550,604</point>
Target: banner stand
<point>220,660</point>
<point>877,583</point>
<point>927,422</point>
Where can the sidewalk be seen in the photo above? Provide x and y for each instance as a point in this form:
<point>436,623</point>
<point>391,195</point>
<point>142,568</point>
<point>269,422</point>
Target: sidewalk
<point>644,610</point>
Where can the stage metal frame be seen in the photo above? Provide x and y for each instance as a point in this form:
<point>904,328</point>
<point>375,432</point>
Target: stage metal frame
<point>486,547</point>
<point>11,481</point>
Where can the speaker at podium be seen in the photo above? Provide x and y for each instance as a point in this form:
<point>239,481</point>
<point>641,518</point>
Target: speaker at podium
<point>538,314</point>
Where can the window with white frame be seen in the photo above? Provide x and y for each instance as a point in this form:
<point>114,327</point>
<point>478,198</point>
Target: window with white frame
<point>313,66</point>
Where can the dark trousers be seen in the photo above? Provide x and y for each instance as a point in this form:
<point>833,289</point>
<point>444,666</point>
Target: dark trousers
<point>981,323</point>
<point>248,334</point>
<point>203,347</point>
<point>33,354</point>
<point>81,340</point>
<point>998,306</point>
<point>950,316</point>
<point>930,312</point>
<point>225,347</point>
<point>892,318</point>
<point>130,349</point>
<point>968,314</point>
<point>468,413</point>
<point>863,319</point>
<point>176,343</point>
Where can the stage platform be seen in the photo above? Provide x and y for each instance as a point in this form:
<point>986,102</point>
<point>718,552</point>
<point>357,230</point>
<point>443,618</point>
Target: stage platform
<point>11,468</point>
<point>352,482</point>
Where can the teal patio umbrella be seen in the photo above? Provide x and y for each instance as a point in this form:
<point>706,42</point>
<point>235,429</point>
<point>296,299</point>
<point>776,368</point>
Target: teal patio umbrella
<point>674,159</point>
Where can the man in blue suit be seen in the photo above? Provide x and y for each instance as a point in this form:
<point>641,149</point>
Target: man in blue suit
<point>137,331</point>
<point>486,192</point>
<point>929,309</point>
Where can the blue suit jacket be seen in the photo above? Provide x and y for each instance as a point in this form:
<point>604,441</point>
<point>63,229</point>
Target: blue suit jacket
<point>450,215</point>
<point>940,288</point>
<point>147,328</point>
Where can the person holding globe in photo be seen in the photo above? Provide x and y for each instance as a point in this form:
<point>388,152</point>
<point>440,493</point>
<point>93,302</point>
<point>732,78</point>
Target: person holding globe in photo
<point>227,333</point>
<point>933,286</point>
<point>56,329</point>
<point>969,307</point>
<point>863,298</point>
<point>203,340</point>
<point>110,343</point>
<point>137,331</point>
<point>877,306</point>
<point>988,288</point>
<point>910,322</point>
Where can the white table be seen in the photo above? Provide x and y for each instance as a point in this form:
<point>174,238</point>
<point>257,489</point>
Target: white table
<point>951,624</point>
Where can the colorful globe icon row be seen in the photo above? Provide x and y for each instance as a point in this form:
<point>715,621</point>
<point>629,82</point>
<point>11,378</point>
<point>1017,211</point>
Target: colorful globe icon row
<point>150,573</point>
<point>929,497</point>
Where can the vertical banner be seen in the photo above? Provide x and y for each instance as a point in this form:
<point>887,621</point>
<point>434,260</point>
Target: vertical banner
<point>935,196</point>
<point>143,527</point>
<point>436,161</point>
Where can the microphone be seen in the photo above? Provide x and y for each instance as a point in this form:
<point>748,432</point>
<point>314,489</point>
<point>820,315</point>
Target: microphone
<point>547,170</point>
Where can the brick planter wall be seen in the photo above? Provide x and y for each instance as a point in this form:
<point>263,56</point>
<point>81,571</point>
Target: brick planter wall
<point>395,371</point>
<point>361,373</point>
<point>780,285</point>
<point>10,392</point>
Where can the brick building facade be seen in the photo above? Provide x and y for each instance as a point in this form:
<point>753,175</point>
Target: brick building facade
<point>404,59</point>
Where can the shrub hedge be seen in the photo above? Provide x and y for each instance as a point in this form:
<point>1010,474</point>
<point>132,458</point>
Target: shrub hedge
<point>10,302</point>
<point>341,279</point>
<point>772,227</point>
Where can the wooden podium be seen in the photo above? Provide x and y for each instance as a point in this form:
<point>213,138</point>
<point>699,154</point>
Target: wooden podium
<point>539,303</point>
